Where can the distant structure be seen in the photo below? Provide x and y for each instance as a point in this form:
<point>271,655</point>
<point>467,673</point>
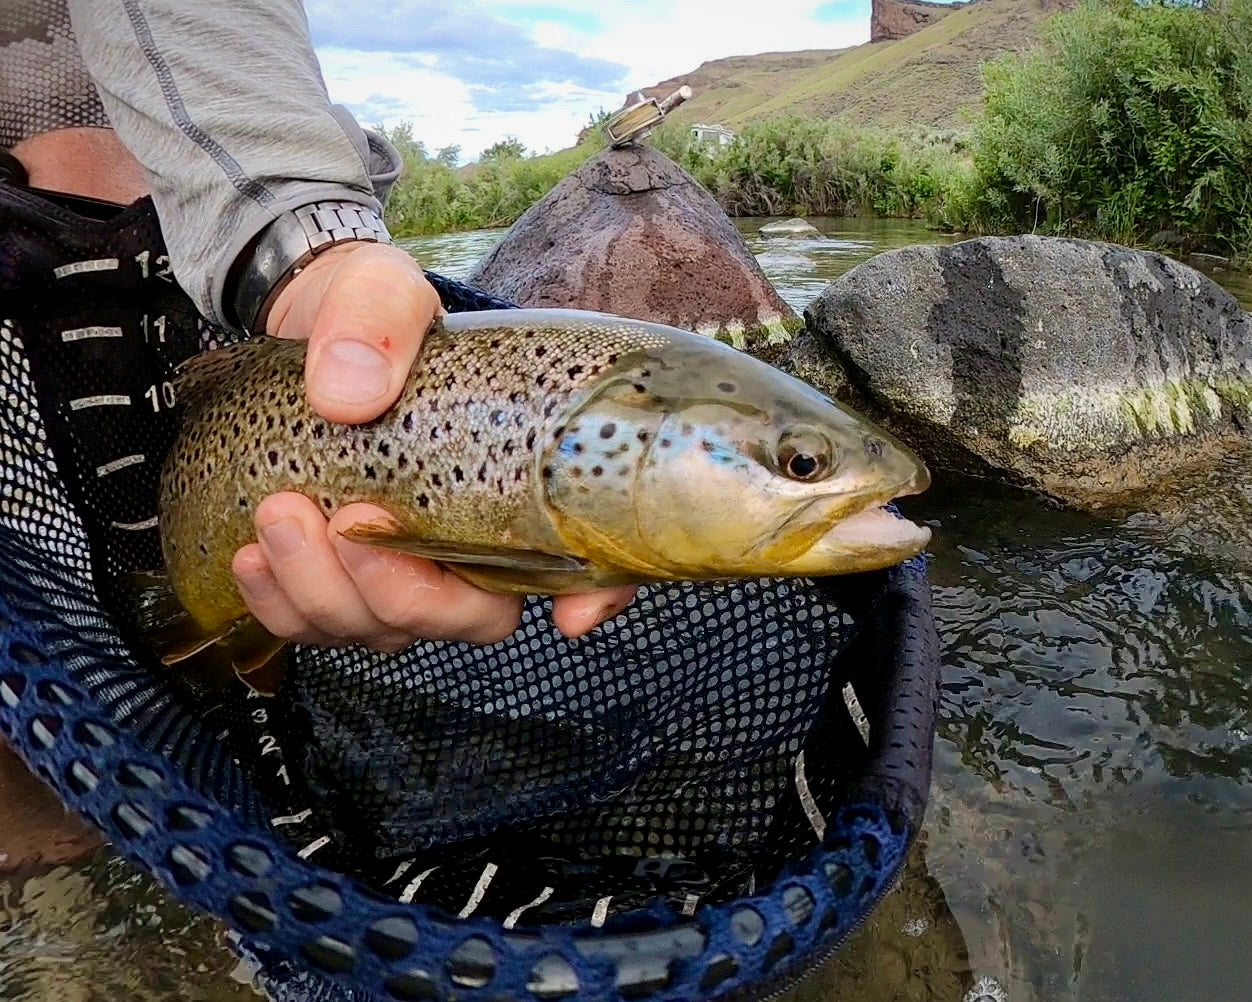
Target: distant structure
<point>712,135</point>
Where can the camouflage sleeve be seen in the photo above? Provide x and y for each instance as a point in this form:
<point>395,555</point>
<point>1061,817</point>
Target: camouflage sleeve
<point>224,105</point>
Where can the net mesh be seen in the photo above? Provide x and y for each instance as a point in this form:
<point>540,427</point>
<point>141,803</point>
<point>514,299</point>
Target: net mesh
<point>681,802</point>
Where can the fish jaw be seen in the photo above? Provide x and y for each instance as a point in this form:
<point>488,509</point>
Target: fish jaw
<point>872,539</point>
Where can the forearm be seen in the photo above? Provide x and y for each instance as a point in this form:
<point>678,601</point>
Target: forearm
<point>224,106</point>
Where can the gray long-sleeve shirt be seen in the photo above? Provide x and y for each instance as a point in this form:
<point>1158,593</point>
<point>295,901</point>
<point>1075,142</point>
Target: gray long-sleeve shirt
<point>221,101</point>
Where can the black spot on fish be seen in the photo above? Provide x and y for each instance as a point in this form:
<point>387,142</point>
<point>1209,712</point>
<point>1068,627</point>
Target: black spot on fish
<point>530,439</point>
<point>327,504</point>
<point>420,464</point>
<point>578,447</point>
<point>402,461</point>
<point>608,430</point>
<point>449,382</point>
<point>707,446</point>
<point>665,443</point>
<point>576,471</point>
<point>459,474</point>
<point>476,436</point>
<point>640,388</point>
<point>370,472</point>
<point>272,457</point>
<point>316,470</point>
<point>575,370</point>
<point>436,479</point>
<point>252,472</point>
<point>434,434</point>
<point>597,471</point>
<point>517,475</point>
<point>243,502</point>
<point>509,447</point>
<point>541,351</point>
<point>495,342</point>
<point>319,430</point>
<point>547,473</point>
<point>642,435</point>
<point>204,549</point>
<point>292,399</point>
<point>541,380</point>
<point>269,422</point>
<point>384,449</point>
<point>482,474</point>
<point>343,452</point>
<point>726,387</point>
<point>297,427</point>
<point>293,466</point>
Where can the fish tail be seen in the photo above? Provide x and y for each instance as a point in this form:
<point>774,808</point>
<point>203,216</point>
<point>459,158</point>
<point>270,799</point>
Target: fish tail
<point>242,648</point>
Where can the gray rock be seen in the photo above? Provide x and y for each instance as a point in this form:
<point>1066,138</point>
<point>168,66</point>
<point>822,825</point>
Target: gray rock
<point>631,233</point>
<point>794,227</point>
<point>1085,370</point>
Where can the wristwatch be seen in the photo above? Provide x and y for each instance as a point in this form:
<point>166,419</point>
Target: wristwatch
<point>287,245</point>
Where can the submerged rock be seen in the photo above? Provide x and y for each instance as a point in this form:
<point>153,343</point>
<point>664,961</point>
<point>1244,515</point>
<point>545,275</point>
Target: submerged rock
<point>1084,370</point>
<point>633,234</point>
<point>794,227</point>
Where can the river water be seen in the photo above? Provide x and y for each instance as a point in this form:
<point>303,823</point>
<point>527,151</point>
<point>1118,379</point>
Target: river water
<point>1089,834</point>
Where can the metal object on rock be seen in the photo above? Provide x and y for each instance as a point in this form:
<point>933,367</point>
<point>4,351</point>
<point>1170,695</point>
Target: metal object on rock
<point>635,122</point>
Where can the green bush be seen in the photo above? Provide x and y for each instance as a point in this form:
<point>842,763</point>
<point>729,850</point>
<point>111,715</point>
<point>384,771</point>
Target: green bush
<point>1131,118</point>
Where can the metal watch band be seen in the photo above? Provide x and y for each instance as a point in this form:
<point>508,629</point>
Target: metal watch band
<point>291,242</point>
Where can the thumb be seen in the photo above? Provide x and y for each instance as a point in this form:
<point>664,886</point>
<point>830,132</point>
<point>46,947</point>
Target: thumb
<point>365,309</point>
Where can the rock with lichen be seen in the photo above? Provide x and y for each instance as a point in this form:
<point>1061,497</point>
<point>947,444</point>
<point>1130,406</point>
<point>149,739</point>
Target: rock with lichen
<point>631,233</point>
<point>1085,370</point>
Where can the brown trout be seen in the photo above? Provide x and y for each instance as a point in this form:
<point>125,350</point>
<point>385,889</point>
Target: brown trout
<point>532,451</point>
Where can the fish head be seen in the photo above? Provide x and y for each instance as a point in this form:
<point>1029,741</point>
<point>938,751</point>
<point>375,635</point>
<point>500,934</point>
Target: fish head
<point>708,463</point>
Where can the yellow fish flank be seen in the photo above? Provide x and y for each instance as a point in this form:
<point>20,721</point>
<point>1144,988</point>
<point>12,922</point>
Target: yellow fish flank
<point>532,451</point>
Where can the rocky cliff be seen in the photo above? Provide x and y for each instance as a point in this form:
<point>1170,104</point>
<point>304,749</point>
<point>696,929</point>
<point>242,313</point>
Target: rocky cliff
<point>892,19</point>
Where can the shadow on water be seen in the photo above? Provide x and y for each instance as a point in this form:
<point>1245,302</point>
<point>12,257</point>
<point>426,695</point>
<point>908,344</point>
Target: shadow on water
<point>1089,835</point>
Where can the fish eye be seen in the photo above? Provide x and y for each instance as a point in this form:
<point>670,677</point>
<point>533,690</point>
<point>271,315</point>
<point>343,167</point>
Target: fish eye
<point>805,454</point>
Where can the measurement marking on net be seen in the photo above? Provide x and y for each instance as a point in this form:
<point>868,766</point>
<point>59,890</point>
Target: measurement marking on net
<point>807,801</point>
<point>601,911</point>
<point>87,333</point>
<point>480,891</point>
<point>293,819</point>
<point>120,464</point>
<point>510,920</point>
<point>313,846</point>
<point>147,523</point>
<point>103,400</point>
<point>406,896</point>
<point>83,267</point>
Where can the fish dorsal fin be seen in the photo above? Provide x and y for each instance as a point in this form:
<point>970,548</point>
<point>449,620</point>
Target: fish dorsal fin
<point>196,379</point>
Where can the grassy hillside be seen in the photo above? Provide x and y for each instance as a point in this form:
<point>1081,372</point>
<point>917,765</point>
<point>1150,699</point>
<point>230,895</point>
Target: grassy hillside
<point>929,79</point>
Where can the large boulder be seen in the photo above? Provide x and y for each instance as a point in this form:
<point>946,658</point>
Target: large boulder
<point>1086,370</point>
<point>631,233</point>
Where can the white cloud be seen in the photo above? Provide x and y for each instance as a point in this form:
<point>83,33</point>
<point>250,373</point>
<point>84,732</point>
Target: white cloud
<point>652,39</point>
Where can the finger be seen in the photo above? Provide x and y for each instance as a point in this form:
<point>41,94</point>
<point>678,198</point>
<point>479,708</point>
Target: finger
<point>419,597</point>
<point>292,535</point>
<point>266,601</point>
<point>575,615</point>
<point>375,310</point>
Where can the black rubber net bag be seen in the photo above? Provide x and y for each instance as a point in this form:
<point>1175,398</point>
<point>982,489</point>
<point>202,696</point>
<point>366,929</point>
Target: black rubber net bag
<point>701,799</point>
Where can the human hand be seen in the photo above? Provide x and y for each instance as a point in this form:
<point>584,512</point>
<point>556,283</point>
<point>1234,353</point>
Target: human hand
<point>365,308</point>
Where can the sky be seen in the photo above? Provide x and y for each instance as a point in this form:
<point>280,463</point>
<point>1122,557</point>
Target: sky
<point>470,74</point>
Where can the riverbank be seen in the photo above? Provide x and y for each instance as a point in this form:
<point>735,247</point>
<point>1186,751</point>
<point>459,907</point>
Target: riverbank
<point>1128,124</point>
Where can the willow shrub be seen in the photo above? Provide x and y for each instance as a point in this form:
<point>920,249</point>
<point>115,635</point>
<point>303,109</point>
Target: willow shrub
<point>1130,119</point>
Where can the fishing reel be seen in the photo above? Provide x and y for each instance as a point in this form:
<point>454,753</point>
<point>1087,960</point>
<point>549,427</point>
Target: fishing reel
<point>635,122</point>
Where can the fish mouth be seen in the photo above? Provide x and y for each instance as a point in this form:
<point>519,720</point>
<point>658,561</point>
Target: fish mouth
<point>877,527</point>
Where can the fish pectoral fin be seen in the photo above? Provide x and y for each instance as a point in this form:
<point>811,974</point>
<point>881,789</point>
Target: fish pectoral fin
<point>391,537</point>
<point>243,646</point>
